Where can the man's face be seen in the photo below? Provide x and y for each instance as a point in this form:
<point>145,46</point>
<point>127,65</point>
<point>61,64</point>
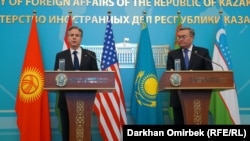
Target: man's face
<point>184,39</point>
<point>74,38</point>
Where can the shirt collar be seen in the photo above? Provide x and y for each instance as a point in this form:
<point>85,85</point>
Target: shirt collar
<point>190,48</point>
<point>79,50</point>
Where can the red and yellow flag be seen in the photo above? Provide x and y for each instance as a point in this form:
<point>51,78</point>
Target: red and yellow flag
<point>32,106</point>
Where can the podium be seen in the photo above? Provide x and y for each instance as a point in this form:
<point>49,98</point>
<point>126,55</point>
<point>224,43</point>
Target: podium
<point>194,89</point>
<point>80,88</point>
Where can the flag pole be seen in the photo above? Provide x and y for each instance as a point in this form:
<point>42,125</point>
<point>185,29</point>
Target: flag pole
<point>109,13</point>
<point>178,12</point>
<point>224,104</point>
<point>144,17</point>
<point>70,13</point>
<point>112,119</point>
<point>33,101</point>
<point>220,12</point>
<point>145,105</point>
<point>178,23</point>
<point>34,12</point>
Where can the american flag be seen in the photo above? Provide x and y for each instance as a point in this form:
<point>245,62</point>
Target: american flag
<point>221,55</point>
<point>110,106</point>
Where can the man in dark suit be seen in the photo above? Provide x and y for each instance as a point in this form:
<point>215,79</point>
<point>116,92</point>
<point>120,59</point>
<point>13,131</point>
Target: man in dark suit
<point>195,61</point>
<point>87,61</point>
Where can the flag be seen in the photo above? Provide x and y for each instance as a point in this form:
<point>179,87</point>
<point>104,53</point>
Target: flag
<point>65,46</point>
<point>224,104</point>
<point>146,107</point>
<point>32,106</point>
<point>176,46</point>
<point>69,24</point>
<point>110,106</point>
<point>178,26</point>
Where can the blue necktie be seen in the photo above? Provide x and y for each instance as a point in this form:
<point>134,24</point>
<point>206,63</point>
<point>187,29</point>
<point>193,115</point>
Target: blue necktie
<point>76,61</point>
<point>186,58</point>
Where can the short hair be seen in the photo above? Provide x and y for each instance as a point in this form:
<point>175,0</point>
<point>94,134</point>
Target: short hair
<point>76,27</point>
<point>191,31</point>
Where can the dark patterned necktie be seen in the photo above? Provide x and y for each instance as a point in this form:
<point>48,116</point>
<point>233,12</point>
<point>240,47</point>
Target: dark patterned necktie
<point>76,61</point>
<point>186,58</point>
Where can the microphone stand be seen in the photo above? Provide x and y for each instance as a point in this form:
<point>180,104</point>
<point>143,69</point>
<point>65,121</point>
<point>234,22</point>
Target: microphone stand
<point>196,53</point>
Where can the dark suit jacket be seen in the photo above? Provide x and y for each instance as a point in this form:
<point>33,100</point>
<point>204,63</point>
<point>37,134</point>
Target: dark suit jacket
<point>196,63</point>
<point>88,62</point>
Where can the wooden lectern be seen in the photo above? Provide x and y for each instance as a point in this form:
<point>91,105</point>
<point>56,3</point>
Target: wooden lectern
<point>80,88</point>
<point>194,89</point>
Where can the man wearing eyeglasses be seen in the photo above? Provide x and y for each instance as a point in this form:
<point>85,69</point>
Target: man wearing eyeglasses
<point>191,58</point>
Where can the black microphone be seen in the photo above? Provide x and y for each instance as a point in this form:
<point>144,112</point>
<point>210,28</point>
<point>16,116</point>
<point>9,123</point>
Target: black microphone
<point>92,56</point>
<point>196,53</point>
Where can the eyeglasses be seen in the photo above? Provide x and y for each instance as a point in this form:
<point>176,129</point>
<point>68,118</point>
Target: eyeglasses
<point>182,37</point>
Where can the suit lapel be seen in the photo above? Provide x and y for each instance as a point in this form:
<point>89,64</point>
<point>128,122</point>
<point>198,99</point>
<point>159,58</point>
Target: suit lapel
<point>70,62</point>
<point>193,57</point>
<point>82,58</point>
